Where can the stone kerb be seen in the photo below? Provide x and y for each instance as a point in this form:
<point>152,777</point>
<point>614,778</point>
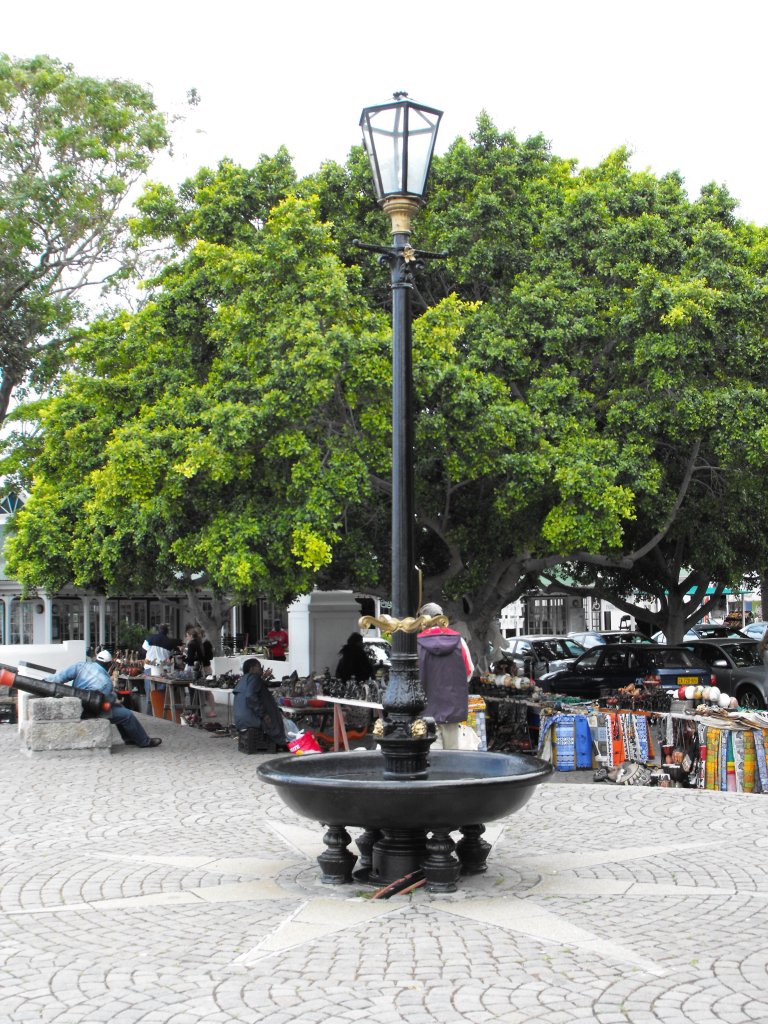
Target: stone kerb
<point>54,728</point>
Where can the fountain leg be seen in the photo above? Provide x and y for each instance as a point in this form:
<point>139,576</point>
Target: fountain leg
<point>441,866</point>
<point>365,843</point>
<point>337,862</point>
<point>396,854</point>
<point>472,850</point>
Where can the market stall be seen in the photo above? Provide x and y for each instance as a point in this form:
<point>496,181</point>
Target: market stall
<point>699,747</point>
<point>639,735</point>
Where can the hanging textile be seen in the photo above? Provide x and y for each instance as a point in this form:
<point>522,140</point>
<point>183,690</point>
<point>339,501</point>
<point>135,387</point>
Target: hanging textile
<point>642,738</point>
<point>722,761</point>
<point>738,760</point>
<point>582,742</point>
<point>730,769</point>
<point>762,767</point>
<point>713,750</point>
<point>750,761</point>
<point>565,743</point>
<point>616,747</point>
<point>599,728</point>
<point>702,737</point>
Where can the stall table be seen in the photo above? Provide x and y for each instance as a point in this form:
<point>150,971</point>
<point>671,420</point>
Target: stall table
<point>197,701</point>
<point>166,695</point>
<point>339,725</point>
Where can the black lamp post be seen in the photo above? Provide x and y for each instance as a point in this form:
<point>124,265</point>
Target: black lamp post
<point>394,798</point>
<point>399,138</point>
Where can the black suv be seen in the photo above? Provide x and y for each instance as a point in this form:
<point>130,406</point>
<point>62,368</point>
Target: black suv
<point>615,665</point>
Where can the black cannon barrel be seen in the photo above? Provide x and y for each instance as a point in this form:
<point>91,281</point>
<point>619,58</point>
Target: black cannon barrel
<point>93,700</point>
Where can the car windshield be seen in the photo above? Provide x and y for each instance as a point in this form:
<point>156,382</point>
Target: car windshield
<point>722,631</point>
<point>573,647</point>
<point>675,658</point>
<point>548,649</point>
<point>592,657</point>
<point>745,655</point>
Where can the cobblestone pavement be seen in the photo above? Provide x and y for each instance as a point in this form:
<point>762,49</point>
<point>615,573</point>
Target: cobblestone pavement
<point>169,886</point>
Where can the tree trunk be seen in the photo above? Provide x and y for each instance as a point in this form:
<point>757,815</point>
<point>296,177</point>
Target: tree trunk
<point>763,594</point>
<point>675,629</point>
<point>7,384</point>
<point>212,624</point>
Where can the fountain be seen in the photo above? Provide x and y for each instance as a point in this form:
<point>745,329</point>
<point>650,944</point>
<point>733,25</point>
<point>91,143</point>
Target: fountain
<point>407,798</point>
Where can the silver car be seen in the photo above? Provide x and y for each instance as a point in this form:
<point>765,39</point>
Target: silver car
<point>378,650</point>
<point>543,653</point>
<point>738,668</point>
<point>754,630</point>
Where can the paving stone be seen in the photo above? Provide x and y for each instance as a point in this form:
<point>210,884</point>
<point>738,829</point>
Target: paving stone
<point>201,894</point>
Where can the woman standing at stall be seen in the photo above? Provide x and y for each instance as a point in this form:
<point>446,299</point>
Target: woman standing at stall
<point>354,661</point>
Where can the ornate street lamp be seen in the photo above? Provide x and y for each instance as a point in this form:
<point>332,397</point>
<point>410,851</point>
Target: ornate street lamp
<point>392,796</point>
<point>399,138</point>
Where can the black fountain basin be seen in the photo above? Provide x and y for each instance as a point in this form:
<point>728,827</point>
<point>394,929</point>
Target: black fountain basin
<point>463,788</point>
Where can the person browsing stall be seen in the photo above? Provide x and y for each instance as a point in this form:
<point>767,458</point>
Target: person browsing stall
<point>445,667</point>
<point>277,640</point>
<point>354,660</point>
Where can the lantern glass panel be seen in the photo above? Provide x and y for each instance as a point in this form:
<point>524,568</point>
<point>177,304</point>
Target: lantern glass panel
<point>400,139</point>
<point>422,132</point>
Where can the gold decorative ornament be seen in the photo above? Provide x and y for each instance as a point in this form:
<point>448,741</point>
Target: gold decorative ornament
<point>378,727</point>
<point>401,211</point>
<point>410,624</point>
<point>418,728</point>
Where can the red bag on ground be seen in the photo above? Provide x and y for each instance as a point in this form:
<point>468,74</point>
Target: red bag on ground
<point>304,743</point>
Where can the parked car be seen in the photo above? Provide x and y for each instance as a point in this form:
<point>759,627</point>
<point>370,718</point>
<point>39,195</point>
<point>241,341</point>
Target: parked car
<point>617,665</point>
<point>542,653</point>
<point>755,630</point>
<point>738,668</point>
<point>378,650</point>
<point>614,636</point>
<point>704,631</point>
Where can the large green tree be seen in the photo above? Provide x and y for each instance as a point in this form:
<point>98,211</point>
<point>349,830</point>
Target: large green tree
<point>569,368</point>
<point>71,148</point>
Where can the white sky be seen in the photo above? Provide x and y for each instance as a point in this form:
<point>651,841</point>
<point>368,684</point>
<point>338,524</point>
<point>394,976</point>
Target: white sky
<point>681,82</point>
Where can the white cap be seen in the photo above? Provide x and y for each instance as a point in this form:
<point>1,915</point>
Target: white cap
<point>104,656</point>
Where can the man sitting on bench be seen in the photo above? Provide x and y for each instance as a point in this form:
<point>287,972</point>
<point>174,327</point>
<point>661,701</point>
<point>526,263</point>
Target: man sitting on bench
<point>94,675</point>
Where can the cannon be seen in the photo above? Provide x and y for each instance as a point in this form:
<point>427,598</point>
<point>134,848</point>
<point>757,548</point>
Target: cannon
<point>94,701</point>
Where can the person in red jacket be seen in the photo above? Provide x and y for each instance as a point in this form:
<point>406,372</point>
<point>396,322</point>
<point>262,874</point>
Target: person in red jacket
<point>445,667</point>
<point>277,639</point>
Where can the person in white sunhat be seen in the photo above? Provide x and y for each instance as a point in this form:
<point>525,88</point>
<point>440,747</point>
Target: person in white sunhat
<point>94,675</point>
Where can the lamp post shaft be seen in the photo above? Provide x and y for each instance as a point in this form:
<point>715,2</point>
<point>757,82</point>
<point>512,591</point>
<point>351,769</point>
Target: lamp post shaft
<point>405,753</point>
<point>399,139</point>
<point>403,575</point>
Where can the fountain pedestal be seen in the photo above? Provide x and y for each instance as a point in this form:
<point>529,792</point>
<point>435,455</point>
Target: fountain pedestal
<point>406,822</point>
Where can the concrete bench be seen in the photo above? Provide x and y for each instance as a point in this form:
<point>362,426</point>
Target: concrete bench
<point>53,727</point>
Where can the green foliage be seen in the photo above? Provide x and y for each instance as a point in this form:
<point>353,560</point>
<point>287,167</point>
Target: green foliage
<point>70,150</point>
<point>220,437</point>
<point>588,368</point>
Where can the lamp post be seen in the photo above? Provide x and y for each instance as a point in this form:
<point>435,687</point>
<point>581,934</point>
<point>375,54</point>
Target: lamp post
<point>399,139</point>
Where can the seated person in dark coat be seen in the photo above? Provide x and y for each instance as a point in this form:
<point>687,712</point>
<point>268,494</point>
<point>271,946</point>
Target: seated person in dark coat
<point>354,661</point>
<point>254,706</point>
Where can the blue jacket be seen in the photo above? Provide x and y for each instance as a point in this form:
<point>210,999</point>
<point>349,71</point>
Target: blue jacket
<point>255,707</point>
<point>87,675</point>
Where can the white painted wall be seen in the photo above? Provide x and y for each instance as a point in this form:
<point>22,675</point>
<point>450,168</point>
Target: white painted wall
<point>53,656</point>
